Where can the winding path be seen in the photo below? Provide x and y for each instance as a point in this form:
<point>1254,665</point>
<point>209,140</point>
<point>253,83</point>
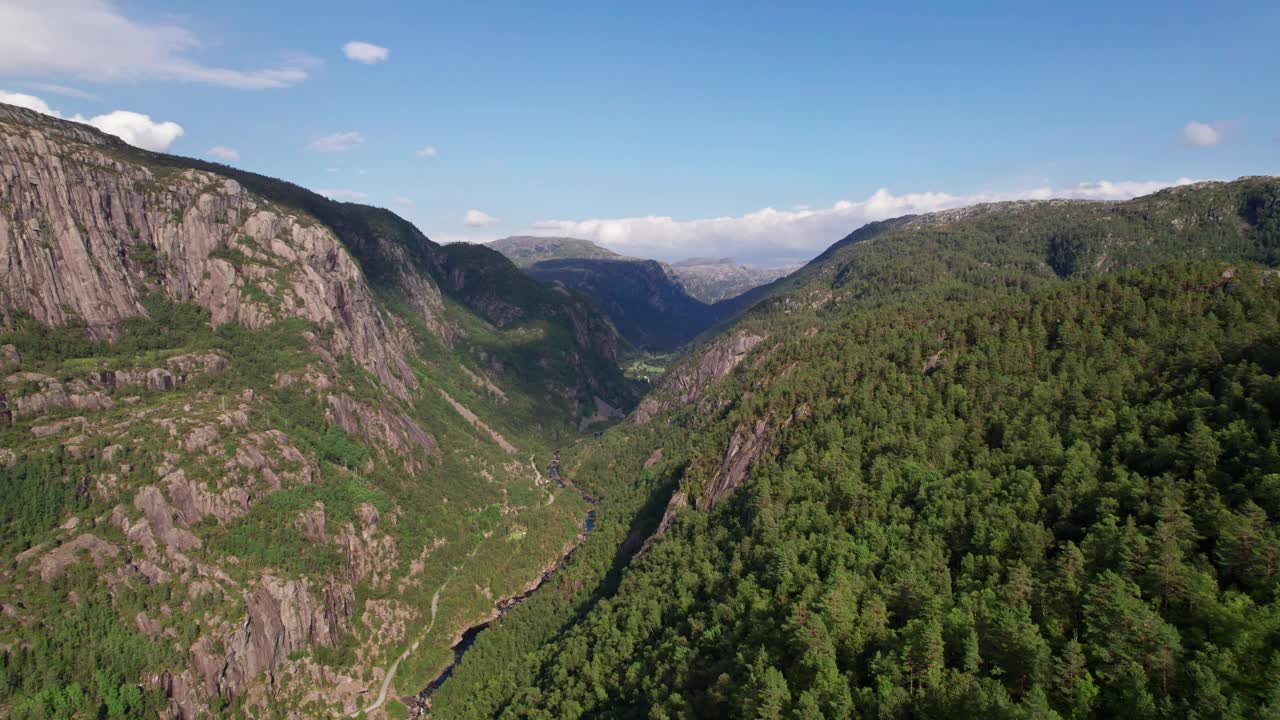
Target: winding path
<point>550,497</point>
<point>391,671</point>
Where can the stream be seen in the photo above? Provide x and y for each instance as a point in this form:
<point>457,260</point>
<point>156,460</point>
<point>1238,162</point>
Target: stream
<point>421,703</point>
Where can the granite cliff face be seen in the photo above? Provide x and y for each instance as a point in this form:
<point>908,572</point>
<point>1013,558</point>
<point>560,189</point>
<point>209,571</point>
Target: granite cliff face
<point>688,382</point>
<point>83,234</point>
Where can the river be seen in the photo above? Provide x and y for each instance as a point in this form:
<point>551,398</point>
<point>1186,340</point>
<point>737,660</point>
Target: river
<point>421,703</point>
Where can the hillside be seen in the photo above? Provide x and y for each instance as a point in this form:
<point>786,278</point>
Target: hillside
<point>655,306</point>
<point>255,443</point>
<point>712,280</point>
<point>649,309</point>
<point>525,250</point>
<point>933,474</point>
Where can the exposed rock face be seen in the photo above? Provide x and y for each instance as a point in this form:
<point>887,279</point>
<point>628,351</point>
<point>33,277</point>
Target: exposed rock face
<point>50,395</point>
<point>382,427</point>
<point>371,554</point>
<point>687,384</point>
<point>313,523</point>
<point>281,617</point>
<point>83,234</point>
<point>56,561</point>
<point>712,280</point>
<point>745,448</point>
<point>654,458</point>
<point>478,424</point>
<point>28,394</point>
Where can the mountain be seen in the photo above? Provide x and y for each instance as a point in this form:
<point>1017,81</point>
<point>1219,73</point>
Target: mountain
<point>712,280</point>
<point>249,436</point>
<point>526,250</point>
<point>655,306</point>
<point>647,306</point>
<point>1016,460</point>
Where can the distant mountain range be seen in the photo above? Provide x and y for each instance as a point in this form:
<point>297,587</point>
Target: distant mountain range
<point>712,280</point>
<point>654,305</point>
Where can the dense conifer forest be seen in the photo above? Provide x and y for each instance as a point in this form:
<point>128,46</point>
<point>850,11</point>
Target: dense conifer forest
<point>1001,484</point>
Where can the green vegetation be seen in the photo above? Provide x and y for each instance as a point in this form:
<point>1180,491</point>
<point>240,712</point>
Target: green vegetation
<point>1068,515</point>
<point>991,485</point>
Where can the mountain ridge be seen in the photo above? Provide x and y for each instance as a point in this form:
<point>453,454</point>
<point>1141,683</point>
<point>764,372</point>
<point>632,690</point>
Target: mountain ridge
<point>923,475</point>
<point>248,431</point>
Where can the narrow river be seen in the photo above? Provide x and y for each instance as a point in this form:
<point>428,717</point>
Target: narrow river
<point>420,704</point>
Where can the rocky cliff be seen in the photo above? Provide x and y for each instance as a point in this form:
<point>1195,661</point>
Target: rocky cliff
<point>222,395</point>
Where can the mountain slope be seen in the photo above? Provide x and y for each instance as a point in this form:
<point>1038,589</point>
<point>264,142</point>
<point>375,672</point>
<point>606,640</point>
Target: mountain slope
<point>932,474</point>
<point>655,306</point>
<point>248,434</point>
<point>525,250</point>
<point>649,309</point>
<point>713,280</point>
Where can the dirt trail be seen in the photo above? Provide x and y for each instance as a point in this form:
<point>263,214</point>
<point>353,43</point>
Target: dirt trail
<point>391,671</point>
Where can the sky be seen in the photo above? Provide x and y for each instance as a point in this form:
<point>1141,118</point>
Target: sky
<point>758,131</point>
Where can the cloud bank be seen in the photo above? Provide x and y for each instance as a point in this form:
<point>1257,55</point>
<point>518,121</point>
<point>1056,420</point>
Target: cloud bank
<point>771,235</point>
<point>476,218</point>
<point>1198,134</point>
<point>91,39</point>
<point>223,153</point>
<point>363,52</point>
<point>134,128</point>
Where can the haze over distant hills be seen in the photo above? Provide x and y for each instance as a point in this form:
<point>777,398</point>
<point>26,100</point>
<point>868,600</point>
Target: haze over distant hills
<point>654,305</point>
<point>705,278</point>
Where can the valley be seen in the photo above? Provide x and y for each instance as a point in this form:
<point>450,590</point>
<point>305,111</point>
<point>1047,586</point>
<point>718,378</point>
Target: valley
<point>657,307</point>
<point>268,454</point>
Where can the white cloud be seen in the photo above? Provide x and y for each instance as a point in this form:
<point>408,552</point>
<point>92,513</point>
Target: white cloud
<point>332,170</point>
<point>344,194</point>
<point>363,52</point>
<point>1200,134</point>
<point>91,39</point>
<point>771,235</point>
<point>61,90</point>
<point>30,102</point>
<point>138,130</point>
<point>476,218</point>
<point>427,152</point>
<point>336,142</point>
<point>134,128</point>
<point>223,153</point>
<point>403,201</point>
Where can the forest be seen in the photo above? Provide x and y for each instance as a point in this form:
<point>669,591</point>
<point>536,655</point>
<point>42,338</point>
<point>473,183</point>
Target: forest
<point>1067,515</point>
<point>1020,462</point>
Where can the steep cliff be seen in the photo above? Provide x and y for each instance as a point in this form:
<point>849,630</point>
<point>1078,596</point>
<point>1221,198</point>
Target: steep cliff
<point>250,432</point>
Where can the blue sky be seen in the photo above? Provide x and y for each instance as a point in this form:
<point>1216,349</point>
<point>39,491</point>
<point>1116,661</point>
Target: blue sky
<point>751,130</point>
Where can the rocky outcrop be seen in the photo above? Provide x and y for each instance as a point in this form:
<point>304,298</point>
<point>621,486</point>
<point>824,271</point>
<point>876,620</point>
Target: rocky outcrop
<point>381,427</point>
<point>56,561</point>
<point>31,394</point>
<point>477,423</point>
<point>313,523</point>
<point>654,458</point>
<point>281,617</point>
<point>370,553</point>
<point>746,446</point>
<point>687,384</point>
<point>84,233</point>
